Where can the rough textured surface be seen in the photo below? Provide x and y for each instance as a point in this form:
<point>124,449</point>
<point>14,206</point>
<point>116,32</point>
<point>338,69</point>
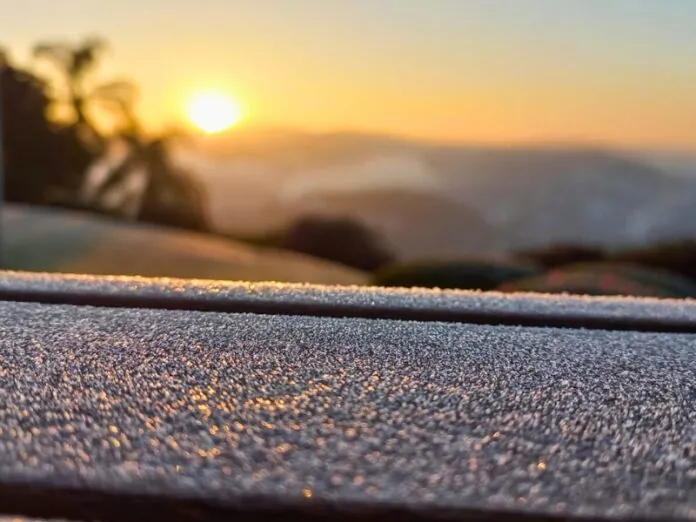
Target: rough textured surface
<point>221,406</point>
<point>450,301</point>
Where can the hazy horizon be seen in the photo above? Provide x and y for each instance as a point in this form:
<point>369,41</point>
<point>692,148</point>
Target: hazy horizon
<point>619,74</point>
<point>247,131</point>
<point>527,196</point>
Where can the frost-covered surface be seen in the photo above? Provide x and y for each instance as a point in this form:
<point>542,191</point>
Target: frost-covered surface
<point>237,295</point>
<point>358,413</point>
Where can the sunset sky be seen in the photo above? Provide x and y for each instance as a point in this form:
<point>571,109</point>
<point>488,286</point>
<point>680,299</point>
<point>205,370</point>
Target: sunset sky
<point>616,71</point>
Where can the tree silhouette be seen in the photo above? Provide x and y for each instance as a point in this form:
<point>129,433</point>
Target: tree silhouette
<point>76,63</point>
<point>43,160</point>
<point>170,196</point>
<point>119,97</point>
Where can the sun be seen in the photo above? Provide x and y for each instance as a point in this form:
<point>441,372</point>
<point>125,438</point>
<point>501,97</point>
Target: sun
<point>213,112</point>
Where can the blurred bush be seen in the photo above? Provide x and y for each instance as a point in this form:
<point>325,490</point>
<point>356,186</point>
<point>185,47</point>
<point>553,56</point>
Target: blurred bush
<point>561,254</point>
<point>606,278</point>
<point>460,274</point>
<point>341,240</point>
<point>678,257</point>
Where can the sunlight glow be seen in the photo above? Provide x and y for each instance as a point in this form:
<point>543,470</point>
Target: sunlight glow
<point>213,112</point>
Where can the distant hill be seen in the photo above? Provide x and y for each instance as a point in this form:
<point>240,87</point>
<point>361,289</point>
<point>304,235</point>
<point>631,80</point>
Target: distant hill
<point>536,197</point>
<point>503,198</point>
<point>677,163</point>
<point>50,240</point>
<point>413,224</point>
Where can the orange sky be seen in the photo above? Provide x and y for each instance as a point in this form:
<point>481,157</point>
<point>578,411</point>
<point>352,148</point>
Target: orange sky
<point>621,72</point>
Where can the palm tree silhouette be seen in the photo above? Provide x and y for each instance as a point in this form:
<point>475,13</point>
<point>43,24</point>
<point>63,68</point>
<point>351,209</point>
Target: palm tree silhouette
<point>171,195</point>
<point>76,63</point>
<point>168,194</point>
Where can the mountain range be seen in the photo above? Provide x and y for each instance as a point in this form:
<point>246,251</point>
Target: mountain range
<point>435,200</point>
